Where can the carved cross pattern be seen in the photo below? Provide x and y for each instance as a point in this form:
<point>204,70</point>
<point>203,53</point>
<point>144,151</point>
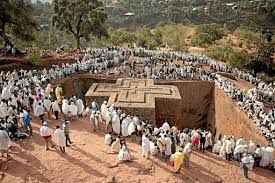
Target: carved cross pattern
<point>136,93</point>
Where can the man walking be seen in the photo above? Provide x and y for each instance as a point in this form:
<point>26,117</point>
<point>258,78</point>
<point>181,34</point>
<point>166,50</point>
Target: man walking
<point>45,133</point>
<point>66,130</point>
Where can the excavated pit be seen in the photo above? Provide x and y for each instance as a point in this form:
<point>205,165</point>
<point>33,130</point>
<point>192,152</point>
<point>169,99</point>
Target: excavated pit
<point>202,105</point>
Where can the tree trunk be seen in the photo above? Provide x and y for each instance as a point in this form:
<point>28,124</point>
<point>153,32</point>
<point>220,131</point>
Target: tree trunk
<point>77,39</point>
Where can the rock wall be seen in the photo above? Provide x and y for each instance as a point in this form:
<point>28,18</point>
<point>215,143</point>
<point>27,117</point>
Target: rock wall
<point>230,120</point>
<point>194,110</point>
<point>202,106</point>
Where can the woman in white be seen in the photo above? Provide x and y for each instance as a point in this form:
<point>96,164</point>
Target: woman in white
<point>4,142</point>
<point>80,107</point>
<point>116,146</point>
<point>124,154</point>
<point>116,123</point>
<point>55,109</point>
<point>47,105</point>
<point>108,119</point>
<point>65,108</point>
<point>124,126</point>
<point>145,146</point>
<point>103,110</point>
<point>60,138</point>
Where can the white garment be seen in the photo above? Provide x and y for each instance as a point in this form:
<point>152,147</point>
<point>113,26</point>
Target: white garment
<point>40,110</point>
<point>47,104</point>
<point>80,106</point>
<point>55,106</point>
<point>59,138</point>
<point>165,127</point>
<point>65,107</point>
<point>116,146</point>
<point>124,126</point>
<point>73,109</point>
<point>45,131</point>
<point>108,139</point>
<point>131,128</point>
<point>4,140</point>
<point>108,117</point>
<point>217,147</point>
<point>145,144</point>
<point>228,147</point>
<point>124,154</point>
<point>116,124</point>
<point>168,151</point>
<point>103,110</point>
<point>251,148</point>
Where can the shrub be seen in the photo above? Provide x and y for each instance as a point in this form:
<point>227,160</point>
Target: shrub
<point>239,59</point>
<point>34,57</point>
<point>219,52</point>
<point>120,36</point>
<point>202,39</point>
<point>147,39</point>
<point>206,34</point>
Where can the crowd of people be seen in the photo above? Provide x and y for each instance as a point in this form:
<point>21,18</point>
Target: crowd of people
<point>163,142</point>
<point>24,91</point>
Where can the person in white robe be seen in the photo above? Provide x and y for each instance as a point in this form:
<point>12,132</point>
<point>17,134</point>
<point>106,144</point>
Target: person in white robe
<point>65,108</point>
<point>124,126</point>
<point>73,109</point>
<point>6,93</point>
<point>222,153</point>
<point>184,139</point>
<point>55,109</point>
<point>124,154</point>
<point>251,147</point>
<point>136,120</point>
<point>60,138</point>
<point>48,90</point>
<point>4,142</point>
<point>108,139</point>
<point>47,105</point>
<point>103,110</point>
<point>145,146</point>
<point>116,124</point>
<point>165,127</point>
<point>94,121</point>
<point>217,147</point>
<point>228,149</point>
<point>208,142</point>
<point>108,119</point>
<point>268,155</point>
<point>3,109</point>
<point>239,150</point>
<point>168,143</point>
<point>187,151</point>
<point>80,107</point>
<point>35,104</point>
<point>161,143</point>
<point>240,141</point>
<point>153,148</point>
<point>116,146</point>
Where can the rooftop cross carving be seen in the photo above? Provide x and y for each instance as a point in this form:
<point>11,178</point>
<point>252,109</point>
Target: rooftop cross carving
<point>135,93</point>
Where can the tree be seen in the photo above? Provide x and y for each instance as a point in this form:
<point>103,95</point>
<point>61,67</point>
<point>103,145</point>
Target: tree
<point>263,58</point>
<point>81,18</point>
<point>16,20</point>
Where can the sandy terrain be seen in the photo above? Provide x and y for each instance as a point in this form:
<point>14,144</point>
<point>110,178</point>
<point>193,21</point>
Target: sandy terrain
<point>88,160</point>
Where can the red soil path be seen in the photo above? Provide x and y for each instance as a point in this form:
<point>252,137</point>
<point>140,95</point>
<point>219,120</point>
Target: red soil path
<point>87,160</point>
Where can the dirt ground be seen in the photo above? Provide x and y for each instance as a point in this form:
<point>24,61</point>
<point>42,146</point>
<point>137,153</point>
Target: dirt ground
<point>88,160</point>
<point>9,63</point>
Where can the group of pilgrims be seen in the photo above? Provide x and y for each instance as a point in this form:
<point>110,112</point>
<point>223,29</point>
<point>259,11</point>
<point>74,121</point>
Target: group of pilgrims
<point>26,92</point>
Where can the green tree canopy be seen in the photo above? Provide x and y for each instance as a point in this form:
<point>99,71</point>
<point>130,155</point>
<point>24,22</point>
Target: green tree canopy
<point>16,21</point>
<point>80,18</point>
